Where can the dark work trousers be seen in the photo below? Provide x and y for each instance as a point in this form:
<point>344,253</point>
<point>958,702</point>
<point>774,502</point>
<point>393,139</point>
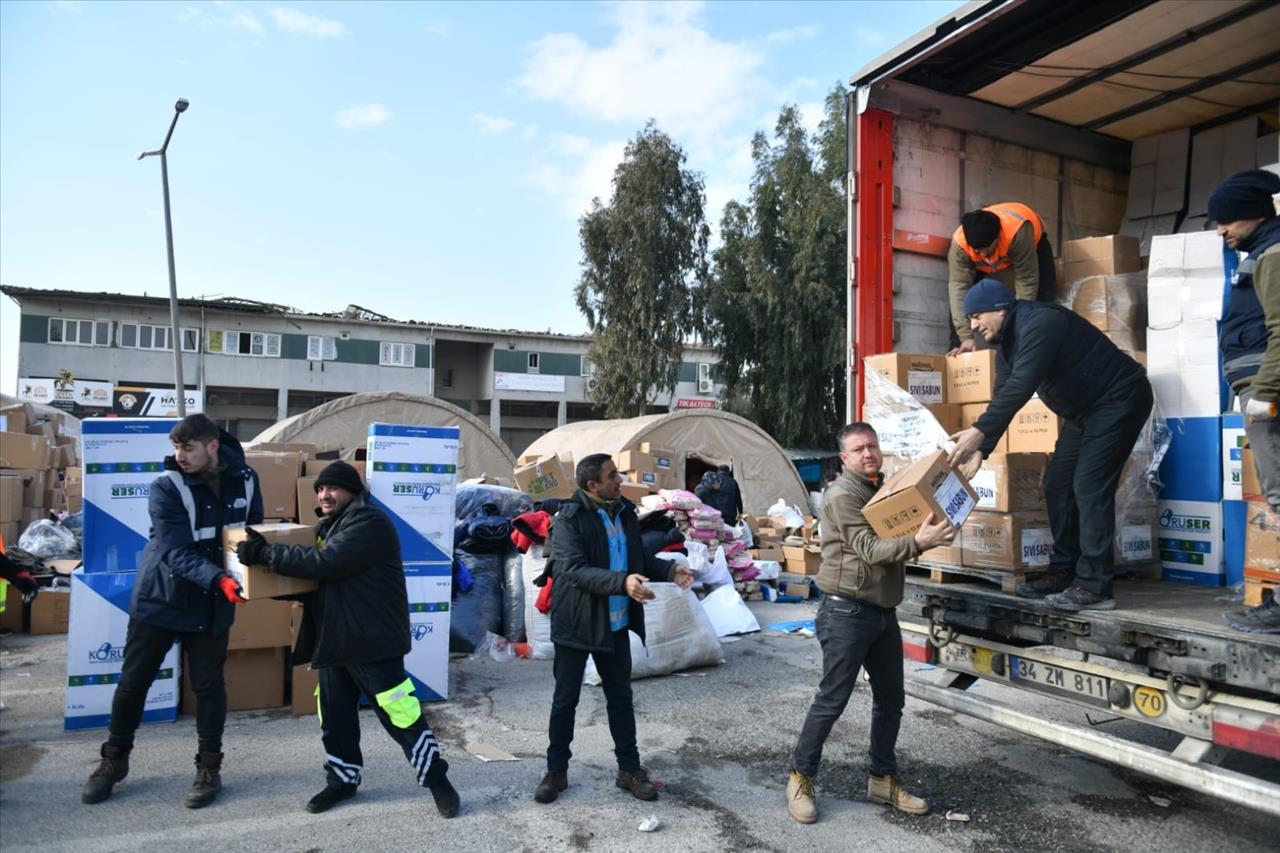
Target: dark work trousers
<point>1047,291</point>
<point>144,649</point>
<point>397,708</point>
<point>855,635</point>
<point>1080,484</point>
<point>615,678</point>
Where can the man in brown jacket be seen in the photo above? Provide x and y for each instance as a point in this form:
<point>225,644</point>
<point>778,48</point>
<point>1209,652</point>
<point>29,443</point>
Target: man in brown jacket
<point>862,580</point>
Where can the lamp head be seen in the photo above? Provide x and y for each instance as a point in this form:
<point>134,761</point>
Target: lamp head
<point>182,105</point>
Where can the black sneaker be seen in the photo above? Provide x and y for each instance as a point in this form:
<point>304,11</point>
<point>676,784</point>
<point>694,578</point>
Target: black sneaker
<point>1263,619</point>
<point>1076,598</point>
<point>1045,584</point>
<point>447,799</point>
<point>333,793</point>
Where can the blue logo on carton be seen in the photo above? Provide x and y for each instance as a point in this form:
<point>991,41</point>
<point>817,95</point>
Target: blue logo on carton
<point>107,653</point>
<point>1170,520</point>
<point>130,490</point>
<point>421,630</point>
<point>426,491</point>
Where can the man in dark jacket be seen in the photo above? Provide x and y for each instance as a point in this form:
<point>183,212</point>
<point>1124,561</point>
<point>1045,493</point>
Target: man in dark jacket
<point>599,569</point>
<point>719,490</point>
<point>355,631</point>
<point>1104,399</point>
<point>181,592</point>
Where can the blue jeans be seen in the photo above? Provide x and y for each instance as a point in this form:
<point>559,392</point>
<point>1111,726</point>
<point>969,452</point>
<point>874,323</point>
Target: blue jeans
<point>855,635</point>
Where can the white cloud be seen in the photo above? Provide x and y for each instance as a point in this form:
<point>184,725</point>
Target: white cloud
<point>589,175</point>
<point>791,34</point>
<point>868,36</point>
<point>221,15</point>
<point>440,29</point>
<point>492,125</point>
<point>363,115</point>
<point>293,21</point>
<point>246,21</point>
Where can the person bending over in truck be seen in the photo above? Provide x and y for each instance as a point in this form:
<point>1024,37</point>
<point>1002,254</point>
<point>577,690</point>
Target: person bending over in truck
<point>1104,399</point>
<point>862,577</point>
<point>1245,214</point>
<point>1006,241</point>
<point>355,631</point>
<point>182,592</point>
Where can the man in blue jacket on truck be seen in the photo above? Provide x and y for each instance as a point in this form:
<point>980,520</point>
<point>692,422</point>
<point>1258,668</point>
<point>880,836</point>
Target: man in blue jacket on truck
<point>182,592</point>
<point>1104,399</point>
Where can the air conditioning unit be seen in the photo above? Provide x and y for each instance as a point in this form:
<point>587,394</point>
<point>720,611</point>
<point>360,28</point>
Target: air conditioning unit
<point>591,384</point>
<point>705,386</point>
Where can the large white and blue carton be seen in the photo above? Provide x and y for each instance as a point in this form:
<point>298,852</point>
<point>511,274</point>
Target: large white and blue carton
<point>1233,505</point>
<point>95,653</point>
<point>1189,535</point>
<point>122,458</point>
<point>412,474</point>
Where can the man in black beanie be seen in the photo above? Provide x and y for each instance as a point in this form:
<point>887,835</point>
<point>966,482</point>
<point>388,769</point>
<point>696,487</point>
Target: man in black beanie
<point>1245,215</point>
<point>355,631</point>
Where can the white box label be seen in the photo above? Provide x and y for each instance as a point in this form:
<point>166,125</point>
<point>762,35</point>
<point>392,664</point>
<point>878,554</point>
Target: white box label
<point>954,499</point>
<point>1037,547</point>
<point>925,385</point>
<point>1135,543</point>
<point>984,483</point>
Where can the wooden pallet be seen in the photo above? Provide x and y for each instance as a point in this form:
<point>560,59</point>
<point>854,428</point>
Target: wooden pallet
<point>1256,590</point>
<point>944,573</point>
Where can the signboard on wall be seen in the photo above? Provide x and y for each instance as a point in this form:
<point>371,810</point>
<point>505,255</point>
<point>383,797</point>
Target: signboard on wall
<point>527,382</point>
<point>69,396</point>
<point>695,403</point>
<point>130,401</point>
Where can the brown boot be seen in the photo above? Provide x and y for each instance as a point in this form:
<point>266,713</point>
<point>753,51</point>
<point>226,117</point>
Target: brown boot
<point>888,791</point>
<point>208,780</point>
<point>800,801</point>
<point>113,767</point>
<point>551,785</point>
<point>637,782</point>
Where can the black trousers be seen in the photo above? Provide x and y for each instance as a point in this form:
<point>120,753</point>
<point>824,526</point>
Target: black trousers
<point>144,649</point>
<point>615,678</point>
<point>397,708</point>
<point>1080,485</point>
<point>855,635</point>
<point>1048,282</point>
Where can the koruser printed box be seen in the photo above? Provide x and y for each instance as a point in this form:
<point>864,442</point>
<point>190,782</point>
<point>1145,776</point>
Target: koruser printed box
<point>95,653</point>
<point>430,587</point>
<point>122,458</point>
<point>412,472</point>
<point>1189,538</point>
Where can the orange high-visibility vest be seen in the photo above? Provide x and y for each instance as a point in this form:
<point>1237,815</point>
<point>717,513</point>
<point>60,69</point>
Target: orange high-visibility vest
<point>1012,215</point>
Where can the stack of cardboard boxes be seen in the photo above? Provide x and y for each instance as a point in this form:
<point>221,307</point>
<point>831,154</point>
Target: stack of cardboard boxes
<point>36,451</point>
<point>1104,282</point>
<point>647,468</point>
<point>546,477</point>
<point>1261,559</point>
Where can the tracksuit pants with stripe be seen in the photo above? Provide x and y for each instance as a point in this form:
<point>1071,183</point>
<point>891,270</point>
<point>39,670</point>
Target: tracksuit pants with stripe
<point>399,711</point>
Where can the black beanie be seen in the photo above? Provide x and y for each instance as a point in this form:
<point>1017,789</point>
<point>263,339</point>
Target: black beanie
<point>980,227</point>
<point>1245,195</point>
<point>342,475</point>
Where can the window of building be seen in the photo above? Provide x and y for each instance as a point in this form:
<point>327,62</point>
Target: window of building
<point>145,336</point>
<point>446,379</point>
<point>262,344</point>
<point>321,348</point>
<point>533,361</point>
<point>85,333</point>
<point>704,372</point>
<point>588,369</point>
<point>395,355</point>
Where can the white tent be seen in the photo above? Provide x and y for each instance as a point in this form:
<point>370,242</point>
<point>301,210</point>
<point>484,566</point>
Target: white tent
<point>343,424</point>
<point>699,438</point>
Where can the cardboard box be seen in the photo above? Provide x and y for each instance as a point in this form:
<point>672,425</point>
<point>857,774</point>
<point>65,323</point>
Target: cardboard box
<point>306,450</point>
<point>303,685</point>
<point>1190,541</point>
<point>254,679</point>
<point>1100,256</point>
<point>663,459</point>
<point>32,514</point>
<point>546,478</point>
<point>19,450</point>
<point>412,474</point>
<point>308,500</point>
<point>1113,303</point>
<point>971,376</point>
<point>50,613</point>
<point>313,467</point>
<point>261,624</point>
<point>947,555</point>
<point>802,559</point>
<point>47,429</point>
<point>430,589</point>
<point>924,488</point>
<point>11,487</point>
<point>122,458</point>
<point>260,581</point>
<point>1233,444</point>
<point>969,414</point>
<point>277,481</point>
<point>1250,485</point>
<point>1002,540</point>
<point>1262,539</point>
<point>10,530</point>
<point>921,376</point>
<point>33,483</point>
<point>14,615</point>
<point>776,555</point>
<point>16,417</point>
<point>1034,429</point>
<point>948,415</point>
<point>634,492</point>
<point>634,460</point>
<point>1011,482</point>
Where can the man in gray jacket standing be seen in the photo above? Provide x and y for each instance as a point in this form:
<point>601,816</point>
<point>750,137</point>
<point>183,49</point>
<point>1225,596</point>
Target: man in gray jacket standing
<point>862,578</point>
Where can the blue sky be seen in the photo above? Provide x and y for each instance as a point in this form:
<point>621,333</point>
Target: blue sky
<point>428,161</point>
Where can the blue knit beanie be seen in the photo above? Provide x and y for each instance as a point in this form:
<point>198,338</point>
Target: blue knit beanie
<point>989,294</point>
<point>1244,195</point>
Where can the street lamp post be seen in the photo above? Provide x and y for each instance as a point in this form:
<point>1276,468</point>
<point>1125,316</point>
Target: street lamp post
<point>176,334</point>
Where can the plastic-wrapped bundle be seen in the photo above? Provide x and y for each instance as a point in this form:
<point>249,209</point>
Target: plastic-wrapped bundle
<point>708,524</point>
<point>513,596</point>
<point>907,430</point>
<point>740,561</point>
<point>479,610</point>
<point>680,499</point>
<point>1136,495</point>
<point>706,513</point>
<point>734,546</point>
<point>704,535</point>
<point>537,625</point>
<point>656,503</point>
<point>49,541</point>
<point>471,498</point>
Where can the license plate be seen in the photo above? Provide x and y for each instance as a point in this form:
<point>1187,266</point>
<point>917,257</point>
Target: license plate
<point>1059,680</point>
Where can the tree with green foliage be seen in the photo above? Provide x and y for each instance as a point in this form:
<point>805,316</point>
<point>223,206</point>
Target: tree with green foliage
<point>775,302</point>
<point>644,257</point>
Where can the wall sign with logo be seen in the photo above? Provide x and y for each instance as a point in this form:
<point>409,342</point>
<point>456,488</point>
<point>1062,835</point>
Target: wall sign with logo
<point>75,396</point>
<point>527,382</point>
<point>695,403</point>
<point>129,401</point>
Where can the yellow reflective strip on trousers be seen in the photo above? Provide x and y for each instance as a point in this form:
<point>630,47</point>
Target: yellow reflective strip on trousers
<point>401,705</point>
<point>319,713</point>
<point>4,593</point>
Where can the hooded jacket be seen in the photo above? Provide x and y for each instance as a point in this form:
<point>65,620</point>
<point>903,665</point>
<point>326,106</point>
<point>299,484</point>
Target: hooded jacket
<point>183,559</point>
<point>360,613</point>
<point>578,560</point>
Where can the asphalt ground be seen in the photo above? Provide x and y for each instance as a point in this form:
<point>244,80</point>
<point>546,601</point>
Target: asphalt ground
<point>719,739</point>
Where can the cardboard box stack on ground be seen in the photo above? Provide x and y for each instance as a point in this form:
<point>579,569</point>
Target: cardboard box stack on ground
<point>260,581</point>
<point>257,655</point>
<point>923,488</point>
<point>643,468</point>
<point>304,682</point>
<point>921,376</point>
<point>1007,540</point>
<point>1104,282</point>
<point>278,473</point>
<point>1262,550</point>
<point>412,475</point>
<point>802,559</point>
<point>548,477</point>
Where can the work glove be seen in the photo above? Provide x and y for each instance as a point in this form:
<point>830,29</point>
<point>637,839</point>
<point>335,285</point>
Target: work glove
<point>1260,410</point>
<point>231,589</point>
<point>252,550</point>
<point>26,585</point>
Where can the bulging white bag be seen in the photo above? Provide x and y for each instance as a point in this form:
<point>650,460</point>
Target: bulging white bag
<point>729,613</point>
<point>678,636</point>
<point>537,626</point>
